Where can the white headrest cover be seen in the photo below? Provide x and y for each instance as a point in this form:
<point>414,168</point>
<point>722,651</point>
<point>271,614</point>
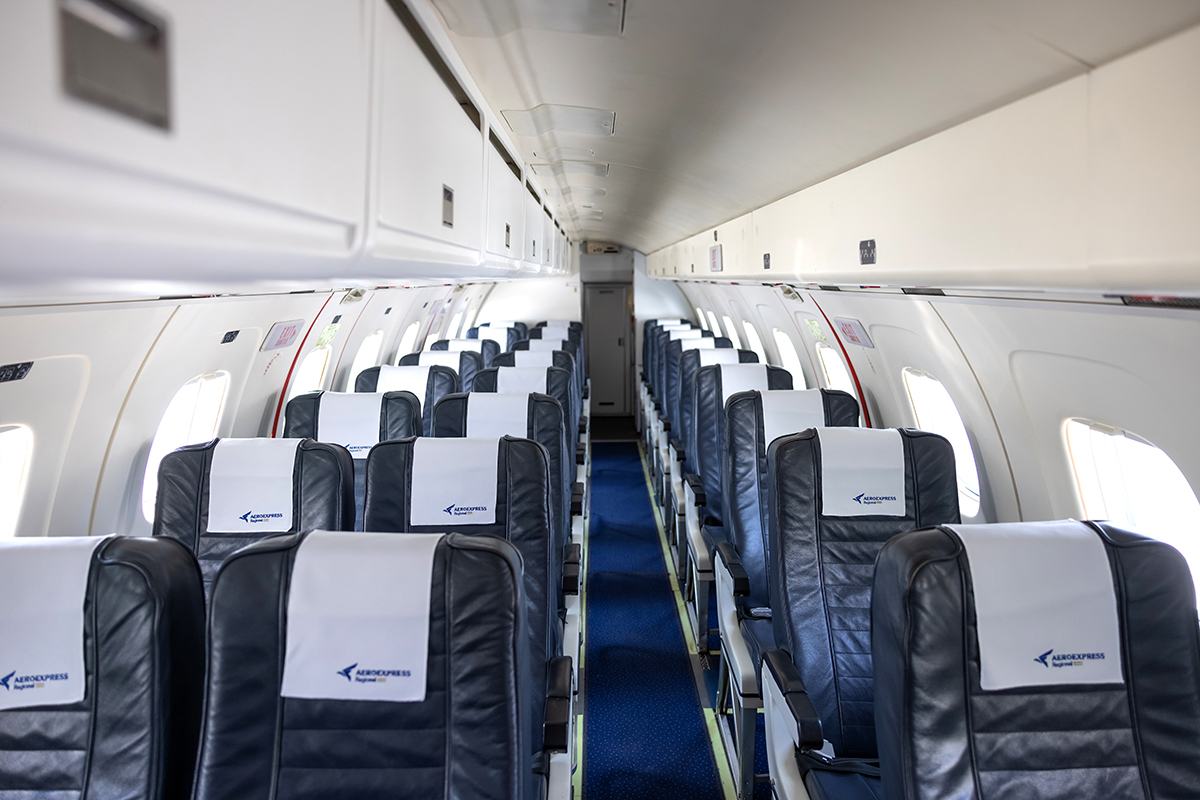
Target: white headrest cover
<point>559,323</point>
<point>862,472</point>
<point>699,343</point>
<point>490,416</point>
<point>454,481</point>
<point>346,588</point>
<point>787,411</point>
<point>686,333</point>
<point>498,335</point>
<point>741,378</point>
<point>442,358</point>
<point>556,333</point>
<point>474,345</point>
<point>1045,605</point>
<point>664,322</point>
<point>404,379</point>
<point>351,420</point>
<point>521,380</point>
<point>250,485</point>
<point>500,323</point>
<point>43,584</point>
<point>534,358</point>
<point>545,344</point>
<point>723,355</point>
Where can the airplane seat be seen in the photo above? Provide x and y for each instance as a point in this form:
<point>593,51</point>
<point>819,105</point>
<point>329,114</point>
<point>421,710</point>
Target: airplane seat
<point>309,697</point>
<point>660,421</point>
<point>217,497</point>
<point>1051,659</point>
<point>504,337</point>
<point>560,323</point>
<point>464,362</point>
<point>486,348</point>
<point>650,403</point>
<point>356,420</point>
<point>521,327</point>
<point>484,487</point>
<point>753,420</point>
<point>543,358</point>
<point>836,496</point>
<point>554,381</point>
<point>104,672</point>
<point>703,512</point>
<point>428,383</point>
<point>567,346</point>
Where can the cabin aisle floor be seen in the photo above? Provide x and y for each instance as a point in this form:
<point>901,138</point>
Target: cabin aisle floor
<point>646,730</point>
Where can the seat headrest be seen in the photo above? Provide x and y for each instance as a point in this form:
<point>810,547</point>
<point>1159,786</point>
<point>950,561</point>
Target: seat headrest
<point>500,323</point>
<point>558,323</point>
<point>741,378</point>
<point>533,358</point>
<point>787,411</point>
<point>404,379</point>
<point>546,344</point>
<point>521,380</point>
<point>345,589</point>
<point>496,334</point>
<point>454,481</point>
<point>442,358</point>
<point>1045,604</point>
<point>492,415</point>
<point>862,472</point>
<point>351,420</point>
<point>251,485</point>
<point>694,343</point>
<point>709,357</point>
<point>475,345</point>
<point>43,587</point>
<point>556,333</point>
<point>685,333</point>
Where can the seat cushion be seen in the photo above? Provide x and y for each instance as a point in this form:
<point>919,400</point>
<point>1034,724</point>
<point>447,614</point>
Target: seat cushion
<point>842,786</point>
<point>760,637</point>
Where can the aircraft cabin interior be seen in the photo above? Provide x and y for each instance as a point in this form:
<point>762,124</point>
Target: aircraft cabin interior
<point>599,399</point>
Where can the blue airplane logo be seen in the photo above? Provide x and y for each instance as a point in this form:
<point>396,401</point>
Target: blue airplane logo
<point>859,499</point>
<point>345,673</point>
<point>4,681</point>
<point>449,508</point>
<point>1042,658</point>
<point>246,517</point>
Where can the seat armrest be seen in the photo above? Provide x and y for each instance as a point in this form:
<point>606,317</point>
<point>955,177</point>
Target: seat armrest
<point>583,424</point>
<point>693,480</point>
<point>580,454</point>
<point>677,445</point>
<point>586,392</point>
<point>557,725</point>
<point>733,564</point>
<point>577,499</point>
<point>657,406</point>
<point>791,686</point>
<point>666,423</point>
<point>570,574</point>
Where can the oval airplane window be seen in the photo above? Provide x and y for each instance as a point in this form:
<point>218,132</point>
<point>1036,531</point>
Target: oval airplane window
<point>713,325</point>
<point>837,374</point>
<point>732,333</point>
<point>408,342</point>
<point>366,357</point>
<point>191,417</point>
<point>754,342</point>
<point>790,358</point>
<point>451,331</point>
<point>16,448</point>
<point>937,413</point>
<point>1130,482</point>
<point>700,318</point>
<point>310,375</point>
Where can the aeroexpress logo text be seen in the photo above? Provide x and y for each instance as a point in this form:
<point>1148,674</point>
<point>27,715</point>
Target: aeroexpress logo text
<point>355,675</point>
<point>1048,659</point>
<point>13,683</point>
<point>253,518</point>
<point>455,510</point>
<point>865,499</point>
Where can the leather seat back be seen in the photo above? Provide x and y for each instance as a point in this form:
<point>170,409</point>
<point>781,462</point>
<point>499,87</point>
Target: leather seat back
<point>748,423</point>
<point>559,384</point>
<point>714,386</point>
<point>466,738</point>
<point>485,347</point>
<point>543,358</point>
<point>566,345</point>
<point>654,350</point>
<point>821,565</point>
<point>134,732</point>
<point>505,337</point>
<point>520,327</point>
<point>322,496</point>
<point>1123,724</point>
<point>465,362</point>
<point>689,362</point>
<point>429,384</point>
<point>399,417</point>
<point>675,350</point>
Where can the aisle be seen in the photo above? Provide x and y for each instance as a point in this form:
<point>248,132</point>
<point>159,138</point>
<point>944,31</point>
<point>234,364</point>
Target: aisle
<point>646,735</point>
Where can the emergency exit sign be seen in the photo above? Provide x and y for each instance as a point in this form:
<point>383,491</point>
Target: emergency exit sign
<point>282,334</point>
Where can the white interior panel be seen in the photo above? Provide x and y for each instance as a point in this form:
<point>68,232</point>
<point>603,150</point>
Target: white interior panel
<point>506,207</point>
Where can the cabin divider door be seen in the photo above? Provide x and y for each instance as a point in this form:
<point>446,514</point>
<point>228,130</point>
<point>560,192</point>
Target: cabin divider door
<point>608,332</point>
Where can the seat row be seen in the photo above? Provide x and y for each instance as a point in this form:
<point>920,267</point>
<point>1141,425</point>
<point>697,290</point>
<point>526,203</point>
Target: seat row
<point>898,653</point>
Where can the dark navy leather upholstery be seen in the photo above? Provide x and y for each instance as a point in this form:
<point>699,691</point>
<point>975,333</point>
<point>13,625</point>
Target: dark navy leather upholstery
<point>322,499</point>
<point>442,381</point>
<point>522,518</point>
<point>514,335</point>
<point>134,734</point>
<point>670,398</point>
<point>689,363</point>
<point>941,735</point>
<point>561,359</point>
<point>488,348</point>
<point>821,569</point>
<point>559,385</point>
<point>469,363</point>
<point>468,738</point>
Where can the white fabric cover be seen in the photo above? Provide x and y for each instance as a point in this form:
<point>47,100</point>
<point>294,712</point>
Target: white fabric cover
<point>555,333</point>
<point>454,481</point>
<point>559,323</point>
<point>686,333</point>
<point>788,411</point>
<point>498,335</point>
<point>533,358</point>
<point>702,343</point>
<point>250,485</point>
<point>862,472</point>
<point>545,344</point>
<point>441,358</point>
<point>521,380</point>
<point>358,617</point>
<point>1045,604</point>
<point>741,378</point>
<point>724,355</point>
<point>500,323</point>
<point>351,420</point>
<point>492,415</point>
<point>675,326</point>
<point>404,379</point>
<point>43,584</point>
<point>665,322</point>
<point>456,345</point>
